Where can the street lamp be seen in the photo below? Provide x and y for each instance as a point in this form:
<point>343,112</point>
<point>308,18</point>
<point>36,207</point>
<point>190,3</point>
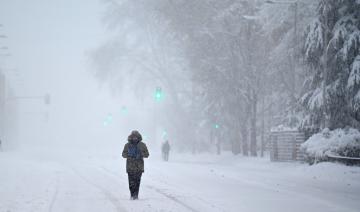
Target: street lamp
<point>295,3</point>
<point>293,75</point>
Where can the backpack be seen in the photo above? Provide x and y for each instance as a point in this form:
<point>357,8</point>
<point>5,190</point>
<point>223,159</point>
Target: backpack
<point>134,151</point>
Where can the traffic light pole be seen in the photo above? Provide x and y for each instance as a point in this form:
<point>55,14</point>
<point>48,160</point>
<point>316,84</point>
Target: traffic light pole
<point>2,104</point>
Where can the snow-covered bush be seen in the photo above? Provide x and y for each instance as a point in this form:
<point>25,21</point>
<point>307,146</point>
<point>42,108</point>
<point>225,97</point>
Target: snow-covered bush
<point>341,142</point>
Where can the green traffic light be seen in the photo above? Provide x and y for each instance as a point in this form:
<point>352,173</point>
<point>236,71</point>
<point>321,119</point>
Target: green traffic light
<point>158,94</point>
<point>124,110</point>
<point>164,134</point>
<point>216,126</point>
<point>109,118</point>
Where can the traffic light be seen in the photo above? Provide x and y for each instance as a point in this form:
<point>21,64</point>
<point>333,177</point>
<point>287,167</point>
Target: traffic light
<point>124,110</point>
<point>108,120</point>
<point>158,94</point>
<point>216,126</point>
<point>109,117</point>
<point>164,134</point>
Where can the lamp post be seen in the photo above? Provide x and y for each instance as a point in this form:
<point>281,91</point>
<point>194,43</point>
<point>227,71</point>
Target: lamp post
<point>295,12</point>
<point>293,75</point>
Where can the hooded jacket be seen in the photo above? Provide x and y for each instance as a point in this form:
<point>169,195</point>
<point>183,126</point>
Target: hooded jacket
<point>135,151</point>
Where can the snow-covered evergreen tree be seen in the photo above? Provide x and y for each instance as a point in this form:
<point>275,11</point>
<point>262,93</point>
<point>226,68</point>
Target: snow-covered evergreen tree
<point>332,52</point>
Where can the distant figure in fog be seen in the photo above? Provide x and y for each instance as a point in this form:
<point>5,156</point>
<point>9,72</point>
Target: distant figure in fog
<point>135,151</point>
<point>165,148</point>
<point>0,145</point>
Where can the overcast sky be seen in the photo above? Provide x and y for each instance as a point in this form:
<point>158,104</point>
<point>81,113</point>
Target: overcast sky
<point>48,41</point>
<point>49,38</point>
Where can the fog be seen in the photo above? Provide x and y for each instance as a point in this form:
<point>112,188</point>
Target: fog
<point>58,50</point>
<point>248,94</point>
<point>49,44</point>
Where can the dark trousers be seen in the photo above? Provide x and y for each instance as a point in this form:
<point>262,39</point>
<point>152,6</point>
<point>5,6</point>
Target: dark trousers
<point>134,183</point>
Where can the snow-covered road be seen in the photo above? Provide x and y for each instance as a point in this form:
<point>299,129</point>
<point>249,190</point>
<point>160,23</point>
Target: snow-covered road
<point>98,182</point>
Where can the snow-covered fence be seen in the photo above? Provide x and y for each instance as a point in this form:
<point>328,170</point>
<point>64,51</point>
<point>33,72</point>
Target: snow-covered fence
<point>346,160</point>
<point>285,146</point>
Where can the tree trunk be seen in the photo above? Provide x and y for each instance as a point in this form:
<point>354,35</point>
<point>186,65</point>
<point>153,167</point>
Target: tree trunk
<point>243,124</point>
<point>253,126</point>
<point>262,127</point>
<point>218,146</point>
<point>236,141</point>
<point>244,140</point>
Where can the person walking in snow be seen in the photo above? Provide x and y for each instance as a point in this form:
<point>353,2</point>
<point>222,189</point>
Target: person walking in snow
<point>135,151</point>
<point>165,150</point>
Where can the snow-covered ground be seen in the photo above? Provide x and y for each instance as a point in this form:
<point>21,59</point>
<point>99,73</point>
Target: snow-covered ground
<point>96,182</point>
